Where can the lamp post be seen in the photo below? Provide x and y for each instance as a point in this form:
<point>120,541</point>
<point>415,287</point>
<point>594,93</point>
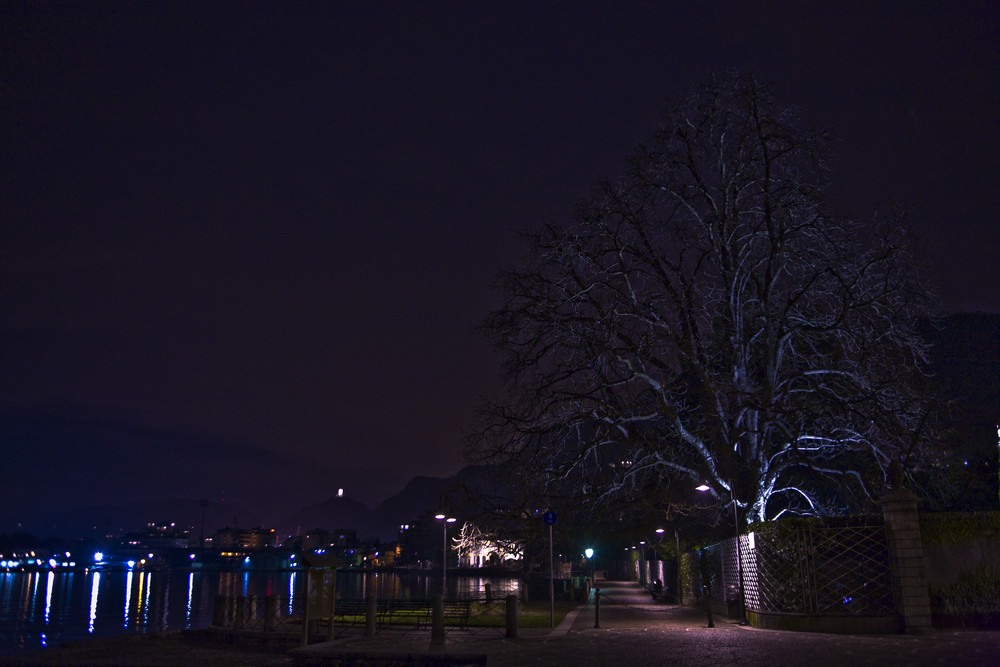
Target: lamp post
<point>680,577</point>
<point>739,551</point>
<point>445,520</point>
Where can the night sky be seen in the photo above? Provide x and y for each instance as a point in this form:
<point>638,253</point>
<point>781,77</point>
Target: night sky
<point>244,245</point>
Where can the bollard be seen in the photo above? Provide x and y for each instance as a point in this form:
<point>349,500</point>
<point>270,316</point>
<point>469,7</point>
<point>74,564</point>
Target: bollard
<point>512,617</point>
<point>708,605</point>
<point>597,607</point>
<point>371,609</point>
<point>437,620</point>
<point>489,592</point>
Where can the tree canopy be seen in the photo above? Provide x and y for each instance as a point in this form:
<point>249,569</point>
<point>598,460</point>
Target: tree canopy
<point>707,319</point>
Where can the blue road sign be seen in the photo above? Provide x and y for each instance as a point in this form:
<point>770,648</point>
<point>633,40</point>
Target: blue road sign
<point>549,518</point>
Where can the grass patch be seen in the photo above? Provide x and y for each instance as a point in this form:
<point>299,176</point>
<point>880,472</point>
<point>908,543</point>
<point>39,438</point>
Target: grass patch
<point>536,614</point>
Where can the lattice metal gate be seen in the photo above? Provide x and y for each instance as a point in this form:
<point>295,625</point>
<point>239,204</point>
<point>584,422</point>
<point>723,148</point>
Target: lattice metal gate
<point>822,570</point>
<point>816,570</point>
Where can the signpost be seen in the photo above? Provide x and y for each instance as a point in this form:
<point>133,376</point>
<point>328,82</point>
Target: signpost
<point>550,520</point>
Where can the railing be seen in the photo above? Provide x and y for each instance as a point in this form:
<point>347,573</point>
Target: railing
<point>265,613</point>
<point>277,614</point>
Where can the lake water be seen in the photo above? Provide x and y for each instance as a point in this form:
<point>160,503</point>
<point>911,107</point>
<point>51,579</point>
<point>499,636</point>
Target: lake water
<point>46,608</point>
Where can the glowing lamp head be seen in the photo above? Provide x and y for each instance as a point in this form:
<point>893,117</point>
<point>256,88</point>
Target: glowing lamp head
<point>98,557</point>
<point>703,487</point>
<point>589,553</point>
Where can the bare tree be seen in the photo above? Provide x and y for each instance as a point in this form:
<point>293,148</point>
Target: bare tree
<point>705,319</point>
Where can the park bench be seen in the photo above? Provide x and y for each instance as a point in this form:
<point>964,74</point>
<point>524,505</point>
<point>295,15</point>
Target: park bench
<point>459,610</point>
<point>417,612</point>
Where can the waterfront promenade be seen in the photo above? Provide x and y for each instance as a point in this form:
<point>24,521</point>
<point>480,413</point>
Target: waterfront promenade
<point>634,631</point>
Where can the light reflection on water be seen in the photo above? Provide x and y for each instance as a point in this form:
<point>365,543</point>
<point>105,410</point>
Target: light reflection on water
<point>187,612</point>
<point>94,588</point>
<point>128,595</point>
<point>40,609</point>
<point>48,594</point>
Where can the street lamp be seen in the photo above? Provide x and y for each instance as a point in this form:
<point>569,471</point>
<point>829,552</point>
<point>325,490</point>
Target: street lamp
<point>739,551</point>
<point>445,520</point>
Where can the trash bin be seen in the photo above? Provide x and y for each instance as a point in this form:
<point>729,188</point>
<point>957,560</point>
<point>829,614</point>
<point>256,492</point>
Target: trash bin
<point>733,601</point>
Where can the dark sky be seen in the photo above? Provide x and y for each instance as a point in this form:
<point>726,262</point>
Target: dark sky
<point>244,245</point>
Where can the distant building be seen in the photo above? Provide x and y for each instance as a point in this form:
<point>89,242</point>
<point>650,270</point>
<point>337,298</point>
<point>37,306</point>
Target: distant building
<point>241,542</point>
<point>158,536</point>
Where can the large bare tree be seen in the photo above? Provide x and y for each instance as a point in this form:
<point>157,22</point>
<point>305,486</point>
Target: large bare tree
<point>706,319</point>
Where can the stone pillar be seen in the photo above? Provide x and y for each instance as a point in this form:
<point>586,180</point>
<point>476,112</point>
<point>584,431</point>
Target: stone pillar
<point>271,604</point>
<point>219,611</point>
<point>240,614</point>
<point>906,554</point>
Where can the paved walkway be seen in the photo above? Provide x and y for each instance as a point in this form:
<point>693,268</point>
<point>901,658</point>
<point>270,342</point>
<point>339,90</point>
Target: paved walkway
<point>635,631</point>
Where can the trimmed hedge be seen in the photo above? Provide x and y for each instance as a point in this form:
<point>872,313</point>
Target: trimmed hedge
<point>959,527</point>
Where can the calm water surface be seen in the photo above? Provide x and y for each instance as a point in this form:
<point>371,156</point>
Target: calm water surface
<point>44,609</point>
